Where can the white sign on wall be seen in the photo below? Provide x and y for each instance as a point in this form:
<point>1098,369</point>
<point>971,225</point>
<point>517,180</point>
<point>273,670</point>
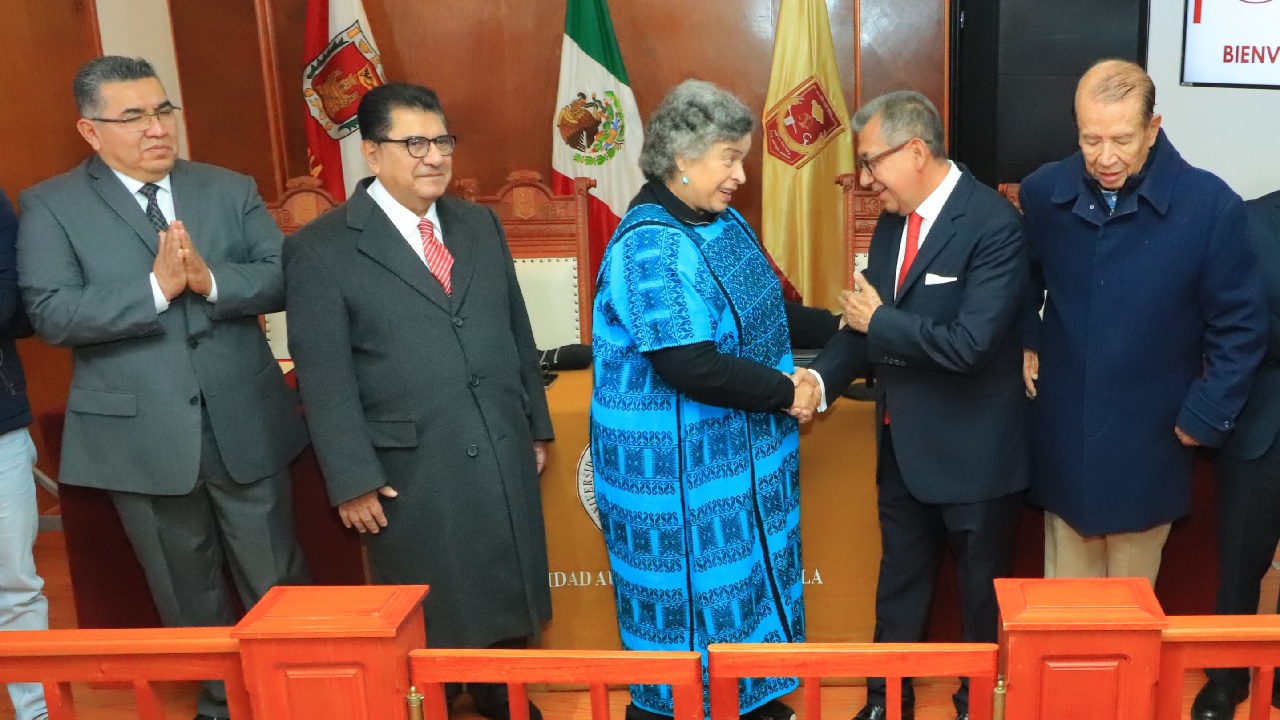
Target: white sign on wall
<point>1231,42</point>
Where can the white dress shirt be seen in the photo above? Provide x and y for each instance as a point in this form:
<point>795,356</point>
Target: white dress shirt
<point>164,199</point>
<point>405,220</point>
<point>928,212</point>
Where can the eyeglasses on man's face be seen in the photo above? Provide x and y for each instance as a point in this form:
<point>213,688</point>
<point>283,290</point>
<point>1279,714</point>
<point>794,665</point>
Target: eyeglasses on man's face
<point>140,121</point>
<point>868,165</point>
<point>419,146</point>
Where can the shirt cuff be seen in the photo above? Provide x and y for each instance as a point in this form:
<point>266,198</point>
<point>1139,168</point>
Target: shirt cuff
<point>213,288</point>
<point>162,302</point>
<point>822,390</point>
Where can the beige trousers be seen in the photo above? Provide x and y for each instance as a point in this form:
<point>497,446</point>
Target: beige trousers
<point>1067,554</point>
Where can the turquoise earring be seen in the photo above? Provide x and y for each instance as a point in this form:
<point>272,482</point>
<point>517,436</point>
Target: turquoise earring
<point>684,180</point>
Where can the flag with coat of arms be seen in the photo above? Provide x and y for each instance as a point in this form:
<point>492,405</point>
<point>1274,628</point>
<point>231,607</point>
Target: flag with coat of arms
<point>596,130</point>
<point>342,65</point>
<point>807,144</point>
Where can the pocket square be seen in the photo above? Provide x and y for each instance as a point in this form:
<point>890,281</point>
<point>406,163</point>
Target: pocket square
<point>931,279</point>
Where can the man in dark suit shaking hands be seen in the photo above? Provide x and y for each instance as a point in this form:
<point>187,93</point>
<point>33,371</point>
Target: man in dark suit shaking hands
<point>422,386</point>
<point>153,270</point>
<point>936,318</point>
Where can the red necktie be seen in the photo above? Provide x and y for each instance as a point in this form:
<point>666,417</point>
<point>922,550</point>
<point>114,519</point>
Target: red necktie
<point>908,255</point>
<point>913,246</point>
<point>439,261</point>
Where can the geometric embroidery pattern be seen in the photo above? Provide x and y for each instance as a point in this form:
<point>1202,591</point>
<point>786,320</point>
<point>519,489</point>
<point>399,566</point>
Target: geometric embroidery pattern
<point>699,504</point>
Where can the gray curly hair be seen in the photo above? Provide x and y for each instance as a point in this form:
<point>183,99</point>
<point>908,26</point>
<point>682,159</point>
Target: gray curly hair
<point>692,117</point>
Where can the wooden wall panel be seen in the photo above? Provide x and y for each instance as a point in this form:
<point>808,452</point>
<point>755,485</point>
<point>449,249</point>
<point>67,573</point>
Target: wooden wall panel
<point>49,40</point>
<point>223,91</point>
<point>496,64</point>
<point>290,17</point>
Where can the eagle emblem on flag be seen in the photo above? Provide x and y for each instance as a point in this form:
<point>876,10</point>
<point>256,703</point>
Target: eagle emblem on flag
<point>335,80</point>
<point>595,128</point>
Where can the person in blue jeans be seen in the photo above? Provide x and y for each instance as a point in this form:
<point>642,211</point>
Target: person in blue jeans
<point>22,604</point>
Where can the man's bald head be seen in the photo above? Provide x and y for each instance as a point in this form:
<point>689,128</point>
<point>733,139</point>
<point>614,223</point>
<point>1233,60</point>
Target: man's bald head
<point>1112,81</point>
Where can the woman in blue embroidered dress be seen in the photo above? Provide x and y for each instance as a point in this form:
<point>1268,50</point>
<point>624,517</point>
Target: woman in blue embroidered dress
<point>696,456</point>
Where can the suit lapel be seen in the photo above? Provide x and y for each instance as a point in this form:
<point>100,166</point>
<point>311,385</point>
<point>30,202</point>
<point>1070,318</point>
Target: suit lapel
<point>459,238</point>
<point>184,188</point>
<point>382,243</point>
<point>940,233</point>
<point>117,197</point>
<point>886,241</point>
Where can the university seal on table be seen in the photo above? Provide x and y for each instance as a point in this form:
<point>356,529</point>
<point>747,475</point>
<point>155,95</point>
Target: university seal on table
<point>335,80</point>
<point>587,486</point>
<point>801,124</point>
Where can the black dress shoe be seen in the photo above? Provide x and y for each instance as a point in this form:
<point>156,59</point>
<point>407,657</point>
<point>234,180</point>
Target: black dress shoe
<point>491,701</point>
<point>772,710</point>
<point>1216,702</point>
<point>879,712</point>
<point>202,716</point>
<point>638,713</point>
<point>962,716</point>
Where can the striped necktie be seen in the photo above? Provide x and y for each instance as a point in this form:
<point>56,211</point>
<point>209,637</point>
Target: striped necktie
<point>439,261</point>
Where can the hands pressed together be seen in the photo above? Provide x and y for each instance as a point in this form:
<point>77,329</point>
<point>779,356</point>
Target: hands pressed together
<point>178,265</point>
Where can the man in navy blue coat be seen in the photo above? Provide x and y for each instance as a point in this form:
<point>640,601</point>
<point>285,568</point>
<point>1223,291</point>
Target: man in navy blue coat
<point>1249,480</point>
<point>937,315</point>
<point>1153,325</point>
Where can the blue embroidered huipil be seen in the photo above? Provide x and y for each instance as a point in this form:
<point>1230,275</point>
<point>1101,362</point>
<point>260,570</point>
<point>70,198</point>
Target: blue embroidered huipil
<point>699,504</point>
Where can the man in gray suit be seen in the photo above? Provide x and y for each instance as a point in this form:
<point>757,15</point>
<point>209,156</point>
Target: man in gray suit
<point>154,271</point>
<point>420,378</point>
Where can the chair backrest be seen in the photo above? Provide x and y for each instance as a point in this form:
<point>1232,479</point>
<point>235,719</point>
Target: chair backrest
<point>547,234</point>
<point>303,201</point>
<point>861,210</point>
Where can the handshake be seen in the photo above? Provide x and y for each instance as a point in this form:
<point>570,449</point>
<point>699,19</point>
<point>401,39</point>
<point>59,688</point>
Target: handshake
<point>808,395</point>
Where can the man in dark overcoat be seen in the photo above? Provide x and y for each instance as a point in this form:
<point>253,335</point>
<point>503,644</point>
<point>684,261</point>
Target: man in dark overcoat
<point>421,383</point>
<point>1153,324</point>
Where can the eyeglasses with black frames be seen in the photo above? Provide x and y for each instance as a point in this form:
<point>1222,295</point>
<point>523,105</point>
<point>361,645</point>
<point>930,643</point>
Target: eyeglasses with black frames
<point>140,121</point>
<point>868,165</point>
<point>419,146</point>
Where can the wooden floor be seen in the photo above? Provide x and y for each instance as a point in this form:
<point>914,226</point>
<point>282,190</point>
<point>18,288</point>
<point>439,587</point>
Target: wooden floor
<point>838,703</point>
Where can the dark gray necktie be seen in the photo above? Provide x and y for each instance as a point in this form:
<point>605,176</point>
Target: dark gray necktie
<point>153,207</point>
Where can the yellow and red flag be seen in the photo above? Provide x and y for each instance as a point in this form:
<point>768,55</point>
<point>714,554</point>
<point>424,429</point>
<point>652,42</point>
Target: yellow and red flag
<point>807,144</point>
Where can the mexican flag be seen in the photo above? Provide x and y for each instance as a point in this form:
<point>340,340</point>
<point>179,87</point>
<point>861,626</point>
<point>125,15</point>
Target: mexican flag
<point>596,131</point>
<point>342,65</point>
<point>807,144</point>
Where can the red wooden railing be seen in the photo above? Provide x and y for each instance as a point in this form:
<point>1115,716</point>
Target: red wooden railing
<point>1202,641</point>
<point>814,661</point>
<point>430,669</point>
<point>317,653</point>
<point>140,658</point>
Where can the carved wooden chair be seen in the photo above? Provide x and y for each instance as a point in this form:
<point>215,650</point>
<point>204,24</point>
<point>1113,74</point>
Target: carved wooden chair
<point>547,234</point>
<point>303,201</point>
<point>861,210</point>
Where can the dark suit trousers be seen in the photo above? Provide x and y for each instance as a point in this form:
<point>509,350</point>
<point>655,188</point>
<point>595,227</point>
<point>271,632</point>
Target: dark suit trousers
<point>914,536</point>
<point>1248,530</point>
<point>183,543</point>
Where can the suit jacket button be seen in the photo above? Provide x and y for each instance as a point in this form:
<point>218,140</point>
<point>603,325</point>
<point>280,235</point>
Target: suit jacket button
<point>475,381</point>
<point>457,322</point>
<point>195,399</point>
<point>472,451</point>
<point>194,343</point>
